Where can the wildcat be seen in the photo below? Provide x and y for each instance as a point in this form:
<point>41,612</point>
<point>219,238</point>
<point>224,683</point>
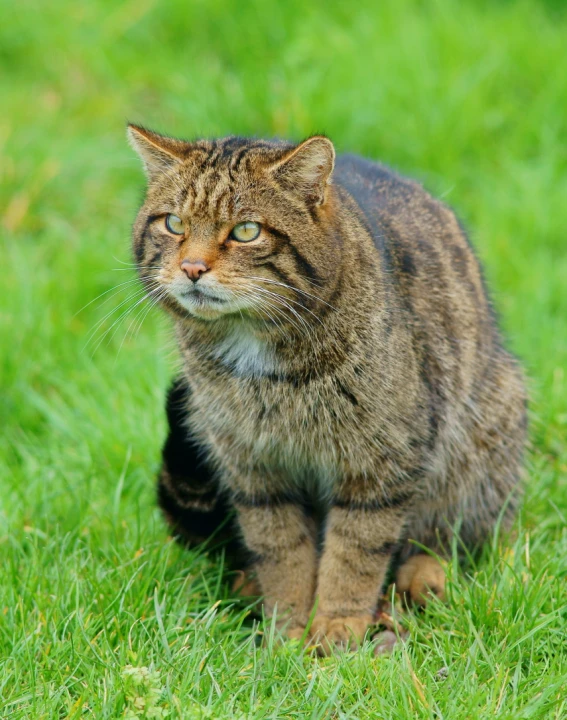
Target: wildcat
<point>345,390</point>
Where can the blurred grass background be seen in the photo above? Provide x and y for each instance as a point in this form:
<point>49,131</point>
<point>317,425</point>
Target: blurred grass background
<point>470,98</point>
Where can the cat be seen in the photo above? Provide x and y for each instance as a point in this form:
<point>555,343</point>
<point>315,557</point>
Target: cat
<point>346,400</point>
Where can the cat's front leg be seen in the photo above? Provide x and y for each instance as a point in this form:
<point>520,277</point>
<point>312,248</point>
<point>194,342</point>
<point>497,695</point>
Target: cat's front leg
<point>276,531</point>
<point>360,538</point>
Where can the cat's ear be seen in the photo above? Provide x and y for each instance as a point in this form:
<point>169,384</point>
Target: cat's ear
<point>307,168</point>
<point>158,152</point>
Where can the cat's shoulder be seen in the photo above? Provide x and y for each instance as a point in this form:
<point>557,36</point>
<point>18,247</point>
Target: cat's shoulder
<point>370,180</point>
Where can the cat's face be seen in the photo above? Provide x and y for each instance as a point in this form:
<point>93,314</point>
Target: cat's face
<point>234,226</point>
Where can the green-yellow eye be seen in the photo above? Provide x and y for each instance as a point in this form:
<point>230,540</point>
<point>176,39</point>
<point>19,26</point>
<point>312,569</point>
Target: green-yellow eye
<point>174,224</point>
<point>245,231</point>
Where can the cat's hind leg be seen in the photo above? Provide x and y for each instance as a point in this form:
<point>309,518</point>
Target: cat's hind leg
<point>421,577</point>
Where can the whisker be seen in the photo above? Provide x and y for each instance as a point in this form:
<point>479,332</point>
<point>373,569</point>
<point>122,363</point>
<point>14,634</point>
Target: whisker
<point>280,301</point>
<point>122,317</point>
<point>285,302</point>
<point>152,304</point>
<point>116,290</point>
<point>121,262</point>
<point>130,298</point>
<point>293,289</point>
<point>309,280</point>
<point>137,267</point>
<point>140,316</point>
<point>236,294</point>
<point>262,304</point>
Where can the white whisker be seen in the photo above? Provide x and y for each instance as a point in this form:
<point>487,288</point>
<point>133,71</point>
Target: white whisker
<point>128,299</point>
<point>293,289</point>
<point>136,323</point>
<point>116,290</point>
<point>122,317</point>
<point>265,294</point>
<point>260,303</point>
<point>142,267</point>
<point>285,302</point>
<point>131,297</point>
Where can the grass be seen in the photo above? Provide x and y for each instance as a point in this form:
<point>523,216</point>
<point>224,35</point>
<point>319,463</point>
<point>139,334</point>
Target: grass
<point>469,97</point>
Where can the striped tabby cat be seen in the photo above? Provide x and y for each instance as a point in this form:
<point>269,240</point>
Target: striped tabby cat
<point>345,388</point>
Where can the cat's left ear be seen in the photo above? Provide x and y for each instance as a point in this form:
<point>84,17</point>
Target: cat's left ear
<point>308,168</point>
<point>158,152</point>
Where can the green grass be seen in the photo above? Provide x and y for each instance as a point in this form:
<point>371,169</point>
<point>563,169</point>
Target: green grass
<point>469,97</point>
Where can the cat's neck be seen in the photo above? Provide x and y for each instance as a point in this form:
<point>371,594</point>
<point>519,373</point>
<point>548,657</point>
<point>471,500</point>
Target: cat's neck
<point>311,345</point>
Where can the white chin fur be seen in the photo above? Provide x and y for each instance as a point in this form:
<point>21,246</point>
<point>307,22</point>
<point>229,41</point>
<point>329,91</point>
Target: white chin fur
<point>240,350</point>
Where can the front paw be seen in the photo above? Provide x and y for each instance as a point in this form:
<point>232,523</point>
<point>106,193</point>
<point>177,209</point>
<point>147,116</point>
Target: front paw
<point>294,633</point>
<point>285,632</point>
<point>341,633</point>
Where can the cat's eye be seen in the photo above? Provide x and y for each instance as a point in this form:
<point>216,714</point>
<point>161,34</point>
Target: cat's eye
<point>174,224</point>
<point>245,231</point>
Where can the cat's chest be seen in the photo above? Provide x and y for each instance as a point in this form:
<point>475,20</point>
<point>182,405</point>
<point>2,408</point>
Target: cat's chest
<point>296,427</point>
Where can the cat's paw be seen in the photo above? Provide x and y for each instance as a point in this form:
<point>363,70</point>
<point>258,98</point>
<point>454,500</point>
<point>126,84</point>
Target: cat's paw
<point>421,577</point>
<point>294,633</point>
<point>246,584</point>
<point>341,633</point>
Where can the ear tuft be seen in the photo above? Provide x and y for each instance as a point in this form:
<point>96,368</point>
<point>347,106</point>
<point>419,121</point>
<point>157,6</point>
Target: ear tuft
<point>308,167</point>
<point>157,152</point>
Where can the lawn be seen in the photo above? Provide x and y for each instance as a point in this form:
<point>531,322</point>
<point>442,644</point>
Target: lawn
<point>99,609</point>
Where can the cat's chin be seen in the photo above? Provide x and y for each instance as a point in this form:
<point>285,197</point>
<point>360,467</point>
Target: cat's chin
<point>206,313</point>
<point>204,307</point>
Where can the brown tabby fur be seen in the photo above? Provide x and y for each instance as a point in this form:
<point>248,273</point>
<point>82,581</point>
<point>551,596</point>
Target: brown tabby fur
<point>352,400</point>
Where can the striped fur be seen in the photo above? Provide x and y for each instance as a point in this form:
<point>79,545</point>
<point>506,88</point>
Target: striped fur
<point>351,363</point>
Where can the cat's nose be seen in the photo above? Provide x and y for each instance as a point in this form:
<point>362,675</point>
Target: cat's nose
<point>194,268</point>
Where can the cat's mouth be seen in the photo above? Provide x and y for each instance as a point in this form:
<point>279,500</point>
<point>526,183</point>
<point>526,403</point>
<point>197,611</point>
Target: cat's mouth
<point>199,297</point>
<point>203,303</point>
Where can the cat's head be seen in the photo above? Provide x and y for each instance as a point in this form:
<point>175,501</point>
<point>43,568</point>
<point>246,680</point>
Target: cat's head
<point>235,226</point>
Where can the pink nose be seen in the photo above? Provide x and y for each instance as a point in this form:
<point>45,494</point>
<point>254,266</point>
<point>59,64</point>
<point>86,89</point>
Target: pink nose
<point>194,269</point>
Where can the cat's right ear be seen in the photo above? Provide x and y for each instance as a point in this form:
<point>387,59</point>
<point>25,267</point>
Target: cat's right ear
<point>157,152</point>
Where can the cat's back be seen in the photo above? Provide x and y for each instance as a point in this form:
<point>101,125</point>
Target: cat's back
<point>372,184</point>
<point>435,279</point>
<point>413,231</point>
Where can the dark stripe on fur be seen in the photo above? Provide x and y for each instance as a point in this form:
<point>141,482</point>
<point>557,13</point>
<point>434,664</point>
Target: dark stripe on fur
<point>154,258</point>
<point>343,389</point>
<point>276,270</point>
<point>281,237</point>
<point>257,500</point>
<point>194,526</point>
<point>385,503</point>
<point>387,548</point>
<point>235,164</point>
<point>303,264</point>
